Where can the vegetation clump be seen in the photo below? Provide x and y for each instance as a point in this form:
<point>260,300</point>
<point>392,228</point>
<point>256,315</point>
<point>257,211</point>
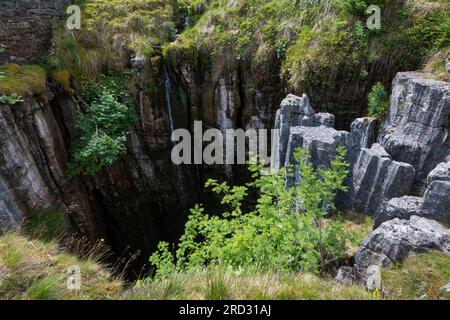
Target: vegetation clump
<point>287,230</point>
<point>32,269</point>
<point>104,126</point>
<point>22,81</point>
<point>378,101</point>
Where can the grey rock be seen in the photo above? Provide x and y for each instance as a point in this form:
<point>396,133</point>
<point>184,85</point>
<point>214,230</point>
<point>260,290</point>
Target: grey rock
<point>373,277</point>
<point>447,62</point>
<point>441,172</point>
<point>436,201</point>
<point>416,127</point>
<point>345,276</point>
<point>364,131</point>
<point>391,243</point>
<point>394,240</point>
<point>294,111</point>
<point>300,105</point>
<point>402,208</point>
<point>377,178</point>
<point>322,143</point>
<point>445,289</point>
<point>138,63</point>
<point>323,118</point>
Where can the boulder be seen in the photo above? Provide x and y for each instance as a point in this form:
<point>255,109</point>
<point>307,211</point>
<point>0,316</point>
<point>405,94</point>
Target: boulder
<point>324,118</point>
<point>377,178</point>
<point>392,242</point>
<point>402,208</point>
<point>441,172</point>
<point>416,127</point>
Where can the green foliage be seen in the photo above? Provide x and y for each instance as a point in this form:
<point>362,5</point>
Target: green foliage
<point>359,7</point>
<point>46,225</point>
<point>378,101</point>
<point>10,100</point>
<point>286,231</point>
<point>104,126</point>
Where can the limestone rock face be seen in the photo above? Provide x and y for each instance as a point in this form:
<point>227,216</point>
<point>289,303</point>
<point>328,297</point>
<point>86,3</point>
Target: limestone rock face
<point>32,165</point>
<point>447,62</point>
<point>377,178</point>
<point>416,130</point>
<point>436,201</point>
<point>322,143</point>
<point>295,112</point>
<point>393,241</point>
<point>402,208</point>
<point>364,131</point>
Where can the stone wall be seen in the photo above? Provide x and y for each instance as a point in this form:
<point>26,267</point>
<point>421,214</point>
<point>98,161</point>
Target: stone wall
<point>26,28</point>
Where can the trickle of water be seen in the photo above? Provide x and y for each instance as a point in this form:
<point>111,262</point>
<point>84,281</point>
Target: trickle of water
<point>168,90</point>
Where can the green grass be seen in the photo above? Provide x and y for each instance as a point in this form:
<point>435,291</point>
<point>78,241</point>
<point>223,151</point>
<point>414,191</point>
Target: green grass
<point>112,32</point>
<point>418,275</point>
<point>34,269</point>
<point>24,81</point>
<point>217,284</point>
<point>45,225</point>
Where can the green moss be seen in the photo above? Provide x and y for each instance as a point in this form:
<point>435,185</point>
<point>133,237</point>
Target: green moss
<point>25,80</point>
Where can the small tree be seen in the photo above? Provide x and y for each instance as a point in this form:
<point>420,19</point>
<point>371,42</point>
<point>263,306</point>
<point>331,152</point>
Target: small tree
<point>286,231</point>
<point>378,101</point>
<point>104,127</point>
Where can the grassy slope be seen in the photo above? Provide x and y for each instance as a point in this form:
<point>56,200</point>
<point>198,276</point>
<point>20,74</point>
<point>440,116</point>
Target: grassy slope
<point>34,269</point>
<point>321,46</point>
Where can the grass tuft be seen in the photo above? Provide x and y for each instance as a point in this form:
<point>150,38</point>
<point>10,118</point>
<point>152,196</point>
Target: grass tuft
<point>24,81</point>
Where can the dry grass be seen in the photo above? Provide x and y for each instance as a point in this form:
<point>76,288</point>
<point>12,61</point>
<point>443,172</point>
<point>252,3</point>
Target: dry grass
<point>32,269</point>
<point>435,65</point>
<point>25,81</point>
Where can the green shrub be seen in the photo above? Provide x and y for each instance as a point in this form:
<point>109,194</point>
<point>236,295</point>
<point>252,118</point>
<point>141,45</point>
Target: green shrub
<point>286,231</point>
<point>358,7</point>
<point>104,126</point>
<point>378,101</point>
